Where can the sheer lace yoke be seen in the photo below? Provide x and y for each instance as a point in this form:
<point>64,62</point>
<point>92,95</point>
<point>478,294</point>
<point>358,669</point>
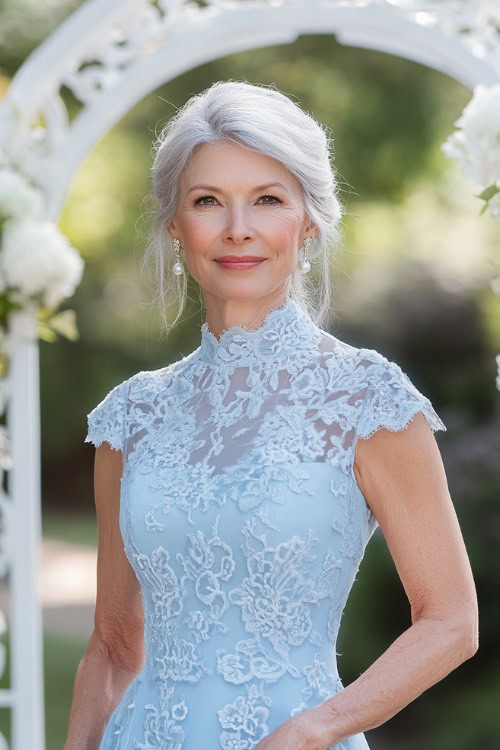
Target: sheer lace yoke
<point>283,331</point>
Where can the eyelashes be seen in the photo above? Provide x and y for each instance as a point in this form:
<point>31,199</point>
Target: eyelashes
<point>203,197</point>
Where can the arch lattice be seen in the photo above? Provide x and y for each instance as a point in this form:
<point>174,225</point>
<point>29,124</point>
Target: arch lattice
<point>110,54</point>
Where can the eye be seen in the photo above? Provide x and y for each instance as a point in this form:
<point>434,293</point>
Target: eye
<point>199,200</point>
<point>202,198</point>
<point>271,196</point>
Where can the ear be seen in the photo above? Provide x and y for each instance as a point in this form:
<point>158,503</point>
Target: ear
<point>309,230</point>
<point>174,234</point>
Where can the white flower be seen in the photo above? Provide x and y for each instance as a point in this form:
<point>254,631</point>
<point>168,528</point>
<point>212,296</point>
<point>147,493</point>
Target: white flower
<point>477,145</point>
<point>37,258</point>
<point>17,198</point>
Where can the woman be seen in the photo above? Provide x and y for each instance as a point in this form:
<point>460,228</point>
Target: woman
<point>234,497</point>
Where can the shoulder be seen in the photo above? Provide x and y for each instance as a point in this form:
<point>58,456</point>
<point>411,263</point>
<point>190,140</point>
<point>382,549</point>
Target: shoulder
<point>362,360</point>
<point>358,365</point>
<point>363,365</point>
<point>136,396</point>
<point>391,398</point>
<point>376,388</point>
<point>108,419</point>
<point>146,384</point>
<point>376,367</point>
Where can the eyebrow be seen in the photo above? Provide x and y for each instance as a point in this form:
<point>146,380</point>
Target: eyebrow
<point>215,189</point>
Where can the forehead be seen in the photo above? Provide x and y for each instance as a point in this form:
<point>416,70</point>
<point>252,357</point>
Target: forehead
<point>230,165</point>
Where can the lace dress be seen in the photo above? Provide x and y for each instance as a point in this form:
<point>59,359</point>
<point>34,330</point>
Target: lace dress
<point>242,519</point>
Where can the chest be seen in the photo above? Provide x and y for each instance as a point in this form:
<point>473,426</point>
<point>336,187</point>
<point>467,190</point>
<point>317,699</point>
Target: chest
<point>211,425</point>
<point>248,447</point>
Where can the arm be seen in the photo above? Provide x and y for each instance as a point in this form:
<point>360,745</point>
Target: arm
<point>114,653</point>
<point>402,477</point>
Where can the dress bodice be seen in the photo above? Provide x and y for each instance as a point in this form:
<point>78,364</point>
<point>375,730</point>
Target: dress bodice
<point>243,521</point>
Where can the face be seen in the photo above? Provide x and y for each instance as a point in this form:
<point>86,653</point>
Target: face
<point>249,206</point>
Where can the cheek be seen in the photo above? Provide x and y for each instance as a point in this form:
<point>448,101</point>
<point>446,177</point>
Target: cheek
<point>200,232</point>
<point>199,229</point>
<point>283,230</point>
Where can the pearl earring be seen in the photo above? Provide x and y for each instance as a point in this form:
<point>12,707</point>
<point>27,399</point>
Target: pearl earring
<point>305,266</point>
<point>177,268</point>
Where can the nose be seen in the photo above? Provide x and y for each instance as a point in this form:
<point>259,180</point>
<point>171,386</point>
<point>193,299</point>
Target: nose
<point>238,229</point>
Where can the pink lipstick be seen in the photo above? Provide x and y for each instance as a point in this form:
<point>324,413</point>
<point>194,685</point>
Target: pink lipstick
<point>239,262</point>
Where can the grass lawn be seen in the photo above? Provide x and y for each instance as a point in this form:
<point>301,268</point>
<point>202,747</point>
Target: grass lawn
<point>61,658</point>
<point>72,528</point>
<point>61,654</point>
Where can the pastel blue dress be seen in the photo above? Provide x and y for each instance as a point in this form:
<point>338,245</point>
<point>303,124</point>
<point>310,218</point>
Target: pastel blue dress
<point>243,521</point>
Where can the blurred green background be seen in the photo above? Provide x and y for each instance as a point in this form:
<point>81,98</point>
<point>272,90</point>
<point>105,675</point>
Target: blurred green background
<point>412,281</point>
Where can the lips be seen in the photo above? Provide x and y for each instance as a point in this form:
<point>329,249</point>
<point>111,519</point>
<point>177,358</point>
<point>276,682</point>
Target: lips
<point>239,263</point>
<point>239,259</point>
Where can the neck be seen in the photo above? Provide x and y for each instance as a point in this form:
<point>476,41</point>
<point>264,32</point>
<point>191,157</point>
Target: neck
<point>249,315</point>
<point>285,332</point>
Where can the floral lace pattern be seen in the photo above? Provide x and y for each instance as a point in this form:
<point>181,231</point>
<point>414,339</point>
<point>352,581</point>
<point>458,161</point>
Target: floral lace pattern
<point>241,517</point>
<point>245,719</point>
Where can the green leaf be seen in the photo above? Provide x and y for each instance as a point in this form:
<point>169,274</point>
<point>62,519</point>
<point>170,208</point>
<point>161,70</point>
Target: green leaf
<point>489,192</point>
<point>44,313</point>
<point>4,365</point>
<point>63,323</point>
<point>46,333</point>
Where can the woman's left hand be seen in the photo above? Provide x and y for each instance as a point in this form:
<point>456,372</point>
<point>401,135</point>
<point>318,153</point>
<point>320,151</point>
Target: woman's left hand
<point>301,732</point>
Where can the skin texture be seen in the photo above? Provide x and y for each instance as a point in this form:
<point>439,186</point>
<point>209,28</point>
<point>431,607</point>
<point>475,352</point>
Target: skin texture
<point>400,474</point>
<point>402,478</point>
<point>238,219</point>
<point>115,651</point>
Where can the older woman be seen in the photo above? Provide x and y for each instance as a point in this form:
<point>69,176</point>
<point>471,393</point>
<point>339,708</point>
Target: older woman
<point>234,496</point>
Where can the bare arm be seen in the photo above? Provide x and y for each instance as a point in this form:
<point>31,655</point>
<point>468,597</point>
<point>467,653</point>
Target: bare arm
<point>402,477</point>
<point>115,650</point>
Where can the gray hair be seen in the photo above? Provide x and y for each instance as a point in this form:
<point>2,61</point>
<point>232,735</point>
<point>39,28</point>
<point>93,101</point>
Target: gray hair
<point>263,119</point>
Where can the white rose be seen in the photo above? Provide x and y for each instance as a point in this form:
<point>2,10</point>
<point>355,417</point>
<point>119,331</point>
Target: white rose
<point>477,145</point>
<point>36,258</point>
<point>17,198</point>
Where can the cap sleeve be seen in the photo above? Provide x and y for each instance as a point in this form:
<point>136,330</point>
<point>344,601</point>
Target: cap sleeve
<point>107,420</point>
<point>392,401</point>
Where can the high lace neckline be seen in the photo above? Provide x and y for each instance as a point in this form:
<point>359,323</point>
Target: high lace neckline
<point>285,330</point>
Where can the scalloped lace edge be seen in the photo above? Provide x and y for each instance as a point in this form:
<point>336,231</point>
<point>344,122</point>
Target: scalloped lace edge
<point>433,421</point>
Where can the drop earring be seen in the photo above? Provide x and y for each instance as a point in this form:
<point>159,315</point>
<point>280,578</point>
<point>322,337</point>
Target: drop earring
<point>305,266</point>
<point>177,268</point>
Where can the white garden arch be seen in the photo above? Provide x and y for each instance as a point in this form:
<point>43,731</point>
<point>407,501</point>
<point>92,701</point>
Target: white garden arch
<point>111,54</point>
